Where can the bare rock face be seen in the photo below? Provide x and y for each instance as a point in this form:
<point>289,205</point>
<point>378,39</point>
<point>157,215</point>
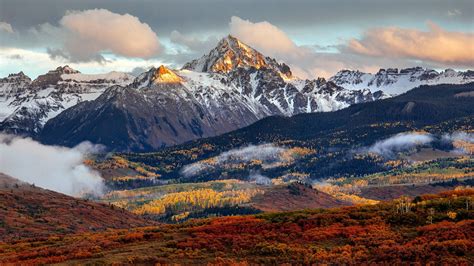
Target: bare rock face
<point>52,77</point>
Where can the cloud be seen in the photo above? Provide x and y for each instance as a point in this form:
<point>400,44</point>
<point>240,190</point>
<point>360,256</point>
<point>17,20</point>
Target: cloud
<point>435,45</point>
<point>263,36</point>
<point>190,16</point>
<point>187,47</point>
<point>90,33</point>
<point>379,48</point>
<point>192,43</point>
<point>259,179</point>
<point>136,71</point>
<point>35,63</point>
<point>55,168</point>
<point>272,41</point>
<point>5,27</point>
<point>305,61</point>
<point>454,12</point>
<point>463,142</point>
<point>400,142</point>
<point>15,57</point>
<point>460,135</point>
<point>267,153</point>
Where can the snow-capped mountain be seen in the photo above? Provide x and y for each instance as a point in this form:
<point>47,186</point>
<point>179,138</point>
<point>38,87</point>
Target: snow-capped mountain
<point>26,105</point>
<point>394,81</point>
<point>229,88</point>
<point>13,85</point>
<point>234,69</point>
<point>230,54</point>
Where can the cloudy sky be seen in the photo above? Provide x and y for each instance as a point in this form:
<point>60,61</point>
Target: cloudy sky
<point>316,38</point>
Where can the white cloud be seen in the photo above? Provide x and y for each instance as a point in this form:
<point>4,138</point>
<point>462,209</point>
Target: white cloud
<point>267,153</point>
<point>259,179</point>
<point>435,45</point>
<point>304,61</point>
<point>87,36</point>
<point>459,140</point>
<point>35,63</point>
<point>381,48</point>
<point>5,27</point>
<point>55,168</point>
<point>193,43</point>
<point>400,142</point>
<point>454,12</point>
<point>90,33</point>
<point>263,36</point>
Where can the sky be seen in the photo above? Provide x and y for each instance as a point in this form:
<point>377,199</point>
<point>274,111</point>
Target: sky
<point>316,38</point>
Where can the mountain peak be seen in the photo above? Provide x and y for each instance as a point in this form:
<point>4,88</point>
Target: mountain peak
<point>165,75</point>
<point>157,76</point>
<point>53,76</point>
<point>66,70</point>
<point>230,54</point>
<point>19,75</point>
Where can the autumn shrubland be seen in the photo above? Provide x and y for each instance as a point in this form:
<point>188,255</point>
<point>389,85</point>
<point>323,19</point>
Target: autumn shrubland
<point>433,228</point>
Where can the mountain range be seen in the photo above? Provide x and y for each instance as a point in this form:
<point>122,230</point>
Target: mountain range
<point>26,105</point>
<point>338,140</point>
<point>394,81</point>
<point>229,88</point>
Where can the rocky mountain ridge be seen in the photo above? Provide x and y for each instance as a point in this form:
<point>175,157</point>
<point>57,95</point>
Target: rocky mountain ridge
<point>26,105</point>
<point>396,81</point>
<point>231,87</point>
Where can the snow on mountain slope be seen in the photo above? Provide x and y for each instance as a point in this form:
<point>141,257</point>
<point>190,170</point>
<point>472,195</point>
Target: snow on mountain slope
<point>229,54</point>
<point>11,87</point>
<point>233,69</point>
<point>26,105</point>
<point>393,81</point>
<point>231,87</point>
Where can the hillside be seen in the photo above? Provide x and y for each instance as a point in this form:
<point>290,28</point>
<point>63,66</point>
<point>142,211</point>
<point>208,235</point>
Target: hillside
<point>432,229</point>
<point>27,211</point>
<point>294,197</point>
<point>324,144</point>
<point>421,106</point>
<point>337,153</point>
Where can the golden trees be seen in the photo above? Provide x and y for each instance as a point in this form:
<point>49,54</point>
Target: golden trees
<point>197,199</point>
<point>403,205</point>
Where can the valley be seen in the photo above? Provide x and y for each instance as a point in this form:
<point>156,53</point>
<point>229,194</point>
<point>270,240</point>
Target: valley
<point>327,163</point>
<point>234,159</point>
